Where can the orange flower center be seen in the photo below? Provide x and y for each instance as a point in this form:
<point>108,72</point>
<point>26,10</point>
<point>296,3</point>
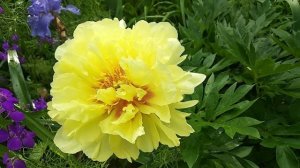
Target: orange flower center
<point>118,93</point>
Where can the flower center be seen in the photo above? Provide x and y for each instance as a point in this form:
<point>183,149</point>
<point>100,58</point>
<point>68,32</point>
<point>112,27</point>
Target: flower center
<point>119,94</point>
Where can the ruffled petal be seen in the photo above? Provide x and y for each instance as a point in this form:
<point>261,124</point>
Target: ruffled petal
<point>65,143</point>
<point>150,140</point>
<point>166,134</point>
<point>122,148</point>
<point>40,25</point>
<point>99,150</point>
<point>73,9</point>
<point>130,130</point>
<point>178,123</point>
<point>162,112</point>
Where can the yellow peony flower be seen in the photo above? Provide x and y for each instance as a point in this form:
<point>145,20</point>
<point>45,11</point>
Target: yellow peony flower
<point>118,90</point>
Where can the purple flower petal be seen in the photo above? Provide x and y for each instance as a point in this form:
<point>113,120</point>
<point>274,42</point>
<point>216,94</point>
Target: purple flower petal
<point>16,116</point>
<point>19,163</point>
<point>14,144</point>
<point>22,59</point>
<point>5,46</point>
<point>39,104</point>
<point>16,47</point>
<point>5,158</point>
<point>3,56</point>
<point>54,5</point>
<point>28,141</point>
<point>1,10</point>
<point>16,129</point>
<point>3,135</point>
<point>15,38</point>
<point>8,106</point>
<point>40,25</point>
<point>73,9</point>
<point>37,7</point>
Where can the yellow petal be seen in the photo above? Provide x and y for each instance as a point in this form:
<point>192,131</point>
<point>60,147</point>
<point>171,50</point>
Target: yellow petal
<point>129,130</point>
<point>178,123</point>
<point>128,113</point>
<point>140,93</point>
<point>150,140</point>
<point>186,104</point>
<point>78,111</point>
<point>136,71</point>
<point>126,92</point>
<point>87,132</point>
<point>66,144</point>
<point>162,112</point>
<point>122,148</point>
<point>166,134</point>
<point>99,150</point>
<point>108,96</point>
<point>187,83</point>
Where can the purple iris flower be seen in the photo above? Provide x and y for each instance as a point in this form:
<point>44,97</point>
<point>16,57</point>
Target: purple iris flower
<point>12,162</point>
<point>7,104</point>
<point>42,12</point>
<point>39,104</point>
<point>17,137</point>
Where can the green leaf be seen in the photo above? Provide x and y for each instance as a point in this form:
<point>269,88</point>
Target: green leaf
<point>228,160</point>
<point>286,158</point>
<point>17,79</point>
<point>238,109</point>
<point>230,97</point>
<point>190,149</point>
<point>4,122</point>
<point>216,104</point>
<point>3,149</point>
<point>240,125</point>
<point>272,142</point>
<point>242,151</point>
<point>211,103</point>
<point>295,7</point>
<point>290,42</point>
<point>248,164</point>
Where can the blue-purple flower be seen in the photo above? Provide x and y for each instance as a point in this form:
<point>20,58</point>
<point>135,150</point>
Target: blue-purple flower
<point>7,105</point>
<point>3,55</point>
<point>12,162</point>
<point>9,46</point>
<point>42,12</point>
<point>17,137</point>
<point>39,104</point>
<point>5,46</point>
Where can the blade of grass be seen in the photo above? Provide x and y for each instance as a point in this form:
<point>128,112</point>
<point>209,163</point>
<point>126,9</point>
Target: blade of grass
<point>17,78</point>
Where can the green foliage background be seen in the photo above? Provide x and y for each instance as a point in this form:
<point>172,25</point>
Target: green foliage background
<point>249,110</point>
